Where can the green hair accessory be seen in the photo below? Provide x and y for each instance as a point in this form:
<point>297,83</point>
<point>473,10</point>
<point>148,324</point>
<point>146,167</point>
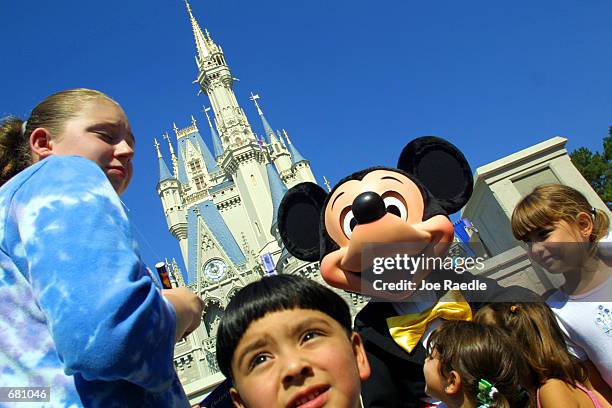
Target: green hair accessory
<point>486,393</point>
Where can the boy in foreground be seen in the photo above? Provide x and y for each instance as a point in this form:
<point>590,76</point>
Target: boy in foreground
<point>287,341</point>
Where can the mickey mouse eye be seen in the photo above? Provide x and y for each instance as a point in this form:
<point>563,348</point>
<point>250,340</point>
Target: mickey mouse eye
<point>396,207</point>
<point>348,224</point>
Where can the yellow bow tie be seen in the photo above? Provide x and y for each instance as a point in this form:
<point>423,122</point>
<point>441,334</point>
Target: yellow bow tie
<point>408,329</point>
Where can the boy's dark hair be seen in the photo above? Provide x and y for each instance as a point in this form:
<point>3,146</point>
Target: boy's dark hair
<point>273,294</point>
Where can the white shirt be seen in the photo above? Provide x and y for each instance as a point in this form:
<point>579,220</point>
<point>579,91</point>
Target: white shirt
<point>587,321</point>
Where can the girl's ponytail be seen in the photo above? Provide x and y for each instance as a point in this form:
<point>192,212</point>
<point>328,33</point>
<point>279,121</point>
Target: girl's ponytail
<point>14,148</point>
<point>499,402</point>
<point>490,397</point>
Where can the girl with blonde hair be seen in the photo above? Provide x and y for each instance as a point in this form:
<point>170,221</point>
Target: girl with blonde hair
<point>80,313</point>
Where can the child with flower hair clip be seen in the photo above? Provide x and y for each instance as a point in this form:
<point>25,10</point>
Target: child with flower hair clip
<point>475,366</point>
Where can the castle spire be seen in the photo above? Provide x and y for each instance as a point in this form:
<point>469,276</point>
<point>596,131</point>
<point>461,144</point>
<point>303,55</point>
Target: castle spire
<point>296,157</point>
<point>164,173</point>
<point>217,145</point>
<point>267,128</point>
<point>327,184</point>
<point>198,35</point>
<point>172,155</point>
<point>254,98</point>
<point>277,191</point>
<point>159,155</point>
<point>280,138</point>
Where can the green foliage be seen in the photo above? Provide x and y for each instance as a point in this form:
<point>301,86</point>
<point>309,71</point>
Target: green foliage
<point>596,167</point>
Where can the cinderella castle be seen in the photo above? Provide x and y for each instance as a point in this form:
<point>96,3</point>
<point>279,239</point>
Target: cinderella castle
<point>221,206</point>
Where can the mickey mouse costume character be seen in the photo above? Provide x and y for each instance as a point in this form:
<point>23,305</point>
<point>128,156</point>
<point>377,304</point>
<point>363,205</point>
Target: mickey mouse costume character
<point>407,204</point>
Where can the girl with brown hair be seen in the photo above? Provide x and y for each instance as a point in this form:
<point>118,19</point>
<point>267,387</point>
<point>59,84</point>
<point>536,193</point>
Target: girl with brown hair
<point>80,313</point>
<point>475,366</point>
<point>564,234</point>
<point>560,379</point>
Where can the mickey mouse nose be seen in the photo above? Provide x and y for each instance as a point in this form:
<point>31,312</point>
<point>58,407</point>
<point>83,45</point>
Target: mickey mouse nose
<point>368,207</point>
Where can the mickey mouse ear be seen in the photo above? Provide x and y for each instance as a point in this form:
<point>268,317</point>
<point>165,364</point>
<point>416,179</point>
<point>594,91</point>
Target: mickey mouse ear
<point>299,218</point>
<point>442,168</point>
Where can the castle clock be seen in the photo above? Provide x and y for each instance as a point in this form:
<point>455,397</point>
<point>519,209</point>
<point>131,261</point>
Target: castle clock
<point>215,270</point>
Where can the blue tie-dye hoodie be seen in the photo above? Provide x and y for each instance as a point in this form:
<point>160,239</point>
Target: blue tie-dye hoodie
<point>79,311</point>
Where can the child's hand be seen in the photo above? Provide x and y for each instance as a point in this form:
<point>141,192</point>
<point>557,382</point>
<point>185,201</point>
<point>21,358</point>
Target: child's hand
<point>188,308</point>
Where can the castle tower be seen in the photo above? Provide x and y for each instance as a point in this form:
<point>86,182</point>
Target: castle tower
<point>196,165</point>
<point>218,146</point>
<point>277,191</point>
<point>221,202</point>
<point>242,159</point>
<point>299,165</point>
<point>169,190</point>
<point>277,150</point>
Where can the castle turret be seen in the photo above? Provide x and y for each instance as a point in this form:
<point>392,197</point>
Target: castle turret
<point>216,80</point>
<point>300,165</point>
<point>217,145</point>
<point>172,156</point>
<point>267,128</point>
<point>164,173</point>
<point>277,191</point>
<point>282,140</point>
<point>169,191</point>
<point>242,160</point>
<point>195,161</point>
<point>279,154</point>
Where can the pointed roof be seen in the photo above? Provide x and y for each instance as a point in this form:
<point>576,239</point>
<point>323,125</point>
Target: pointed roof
<point>267,128</point>
<point>217,145</point>
<point>209,160</point>
<point>172,155</point>
<point>207,211</point>
<point>193,135</point>
<point>198,35</point>
<point>277,190</point>
<point>164,173</point>
<point>182,174</point>
<point>296,157</point>
<point>280,138</point>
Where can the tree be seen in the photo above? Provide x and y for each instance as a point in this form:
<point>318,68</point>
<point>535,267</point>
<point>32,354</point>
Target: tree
<point>596,167</point>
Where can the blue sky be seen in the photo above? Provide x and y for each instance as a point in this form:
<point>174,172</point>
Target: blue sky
<point>351,81</point>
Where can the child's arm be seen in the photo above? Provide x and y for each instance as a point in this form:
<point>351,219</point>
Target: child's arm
<point>71,239</point>
<point>188,308</point>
